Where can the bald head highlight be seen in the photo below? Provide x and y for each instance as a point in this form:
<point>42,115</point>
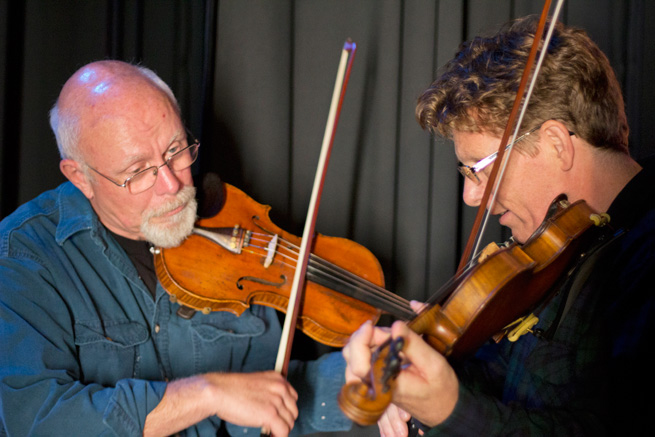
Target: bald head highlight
<point>99,90</point>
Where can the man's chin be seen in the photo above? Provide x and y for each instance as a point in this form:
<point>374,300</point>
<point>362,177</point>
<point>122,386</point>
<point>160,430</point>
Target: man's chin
<point>509,221</point>
<point>170,231</point>
<point>520,235</point>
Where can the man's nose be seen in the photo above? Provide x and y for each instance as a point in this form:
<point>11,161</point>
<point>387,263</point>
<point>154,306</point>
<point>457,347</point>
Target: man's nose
<point>473,192</point>
<point>167,181</point>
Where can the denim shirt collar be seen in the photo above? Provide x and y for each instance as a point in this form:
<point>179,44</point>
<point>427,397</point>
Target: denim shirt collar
<point>75,213</point>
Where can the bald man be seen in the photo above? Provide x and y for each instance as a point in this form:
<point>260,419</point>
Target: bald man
<point>91,343</point>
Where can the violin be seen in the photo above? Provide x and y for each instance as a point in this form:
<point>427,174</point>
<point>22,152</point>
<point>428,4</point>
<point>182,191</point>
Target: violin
<point>239,257</point>
<point>508,284</point>
<point>483,301</point>
<point>489,294</point>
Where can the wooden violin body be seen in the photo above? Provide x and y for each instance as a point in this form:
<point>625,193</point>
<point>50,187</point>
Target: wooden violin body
<point>508,284</point>
<point>239,258</point>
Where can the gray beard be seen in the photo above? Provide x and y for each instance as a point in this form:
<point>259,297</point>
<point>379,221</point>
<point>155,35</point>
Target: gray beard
<point>172,232</point>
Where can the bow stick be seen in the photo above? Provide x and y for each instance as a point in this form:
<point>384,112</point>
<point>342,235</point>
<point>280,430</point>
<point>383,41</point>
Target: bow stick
<point>298,285</point>
<point>521,104</point>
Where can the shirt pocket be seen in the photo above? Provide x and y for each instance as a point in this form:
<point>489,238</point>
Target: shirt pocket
<point>221,340</point>
<point>108,350</point>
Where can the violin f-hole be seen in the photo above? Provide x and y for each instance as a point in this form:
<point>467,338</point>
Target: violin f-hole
<point>261,281</point>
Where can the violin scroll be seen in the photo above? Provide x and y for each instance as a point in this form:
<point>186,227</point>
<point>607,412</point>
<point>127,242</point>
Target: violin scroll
<point>364,402</point>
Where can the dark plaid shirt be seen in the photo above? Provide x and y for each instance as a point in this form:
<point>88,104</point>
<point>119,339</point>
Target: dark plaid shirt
<point>593,376</point>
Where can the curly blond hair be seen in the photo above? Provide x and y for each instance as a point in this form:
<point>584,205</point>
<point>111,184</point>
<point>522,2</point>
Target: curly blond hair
<point>576,85</point>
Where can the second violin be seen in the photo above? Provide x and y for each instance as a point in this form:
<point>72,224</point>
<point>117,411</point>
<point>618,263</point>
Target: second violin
<point>484,301</point>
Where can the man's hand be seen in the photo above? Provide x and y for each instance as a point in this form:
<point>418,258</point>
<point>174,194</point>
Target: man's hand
<point>427,387</point>
<point>357,352</point>
<point>394,422</point>
<point>262,400</point>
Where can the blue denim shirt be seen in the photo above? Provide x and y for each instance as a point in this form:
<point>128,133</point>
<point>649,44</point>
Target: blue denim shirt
<point>87,351</point>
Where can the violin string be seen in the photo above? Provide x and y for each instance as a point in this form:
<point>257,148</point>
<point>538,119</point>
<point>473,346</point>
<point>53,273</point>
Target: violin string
<point>346,277</point>
<point>334,272</point>
<point>325,269</point>
<point>320,266</point>
<point>339,271</point>
<point>402,309</point>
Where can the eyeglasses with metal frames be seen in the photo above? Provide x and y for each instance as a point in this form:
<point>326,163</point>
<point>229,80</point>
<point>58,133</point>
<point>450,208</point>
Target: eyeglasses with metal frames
<point>146,178</point>
<point>471,171</point>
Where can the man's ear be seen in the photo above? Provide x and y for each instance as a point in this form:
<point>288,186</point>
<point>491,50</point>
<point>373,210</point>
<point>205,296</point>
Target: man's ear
<point>74,173</point>
<point>556,136</point>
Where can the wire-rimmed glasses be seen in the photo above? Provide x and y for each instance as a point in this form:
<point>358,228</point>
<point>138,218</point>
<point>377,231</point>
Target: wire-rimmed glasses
<point>145,179</point>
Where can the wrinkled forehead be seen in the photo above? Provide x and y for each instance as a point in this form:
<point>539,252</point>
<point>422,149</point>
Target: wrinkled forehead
<point>117,140</point>
<point>115,108</point>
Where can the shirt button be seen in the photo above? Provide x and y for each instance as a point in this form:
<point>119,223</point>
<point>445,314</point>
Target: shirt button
<point>156,329</point>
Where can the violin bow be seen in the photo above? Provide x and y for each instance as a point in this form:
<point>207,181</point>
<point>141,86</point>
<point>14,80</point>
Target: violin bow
<point>298,285</point>
<point>299,278</point>
<point>514,121</point>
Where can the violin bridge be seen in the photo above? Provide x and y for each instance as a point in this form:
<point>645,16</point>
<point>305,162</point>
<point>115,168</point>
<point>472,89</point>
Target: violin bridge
<point>270,251</point>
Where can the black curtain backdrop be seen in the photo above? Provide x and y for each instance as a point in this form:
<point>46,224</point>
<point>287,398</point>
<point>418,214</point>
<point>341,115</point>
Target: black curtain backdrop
<point>254,79</point>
